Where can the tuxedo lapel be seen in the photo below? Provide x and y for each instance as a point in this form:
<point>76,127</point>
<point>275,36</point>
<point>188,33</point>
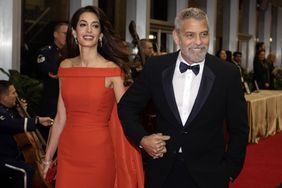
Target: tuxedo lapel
<point>208,78</point>
<point>167,76</point>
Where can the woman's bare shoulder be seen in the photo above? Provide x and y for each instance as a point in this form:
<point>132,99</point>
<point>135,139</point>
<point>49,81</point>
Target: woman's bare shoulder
<point>111,64</point>
<point>71,62</point>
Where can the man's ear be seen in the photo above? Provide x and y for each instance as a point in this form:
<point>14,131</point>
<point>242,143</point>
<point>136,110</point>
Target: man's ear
<point>175,36</point>
<point>55,34</point>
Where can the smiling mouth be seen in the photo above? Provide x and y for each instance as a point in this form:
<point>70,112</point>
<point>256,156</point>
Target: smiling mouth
<point>197,49</point>
<point>88,37</point>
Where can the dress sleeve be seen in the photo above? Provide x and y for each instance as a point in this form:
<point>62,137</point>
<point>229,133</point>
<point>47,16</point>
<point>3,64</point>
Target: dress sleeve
<point>128,158</point>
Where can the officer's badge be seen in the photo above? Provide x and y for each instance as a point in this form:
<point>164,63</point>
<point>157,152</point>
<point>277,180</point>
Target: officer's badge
<point>40,58</point>
<point>2,118</point>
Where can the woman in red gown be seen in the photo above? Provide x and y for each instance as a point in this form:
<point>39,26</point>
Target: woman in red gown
<point>92,149</point>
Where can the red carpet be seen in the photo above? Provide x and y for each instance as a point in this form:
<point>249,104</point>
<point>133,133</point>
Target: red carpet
<point>263,165</point>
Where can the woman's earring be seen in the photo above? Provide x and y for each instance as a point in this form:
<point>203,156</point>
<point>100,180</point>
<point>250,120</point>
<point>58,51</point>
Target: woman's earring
<point>101,42</point>
<point>75,40</point>
<point>74,36</point>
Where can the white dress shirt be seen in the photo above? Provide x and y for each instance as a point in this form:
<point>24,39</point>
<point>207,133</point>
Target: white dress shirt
<point>186,86</point>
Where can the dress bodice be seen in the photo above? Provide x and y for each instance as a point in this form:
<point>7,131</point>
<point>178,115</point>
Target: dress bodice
<point>85,95</point>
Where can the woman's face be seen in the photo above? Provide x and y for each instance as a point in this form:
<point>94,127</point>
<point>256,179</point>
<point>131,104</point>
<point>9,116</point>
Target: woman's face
<point>222,55</point>
<point>88,29</point>
<point>261,56</point>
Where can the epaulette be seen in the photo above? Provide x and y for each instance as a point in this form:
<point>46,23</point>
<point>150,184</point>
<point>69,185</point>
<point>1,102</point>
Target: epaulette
<point>48,47</point>
<point>41,57</point>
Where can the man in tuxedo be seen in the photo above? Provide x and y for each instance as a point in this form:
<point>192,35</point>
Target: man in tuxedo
<point>194,94</point>
<point>237,59</point>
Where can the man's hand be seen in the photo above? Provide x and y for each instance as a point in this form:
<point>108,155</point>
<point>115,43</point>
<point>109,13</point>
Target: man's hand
<point>22,107</point>
<point>154,144</point>
<point>51,75</point>
<point>46,121</point>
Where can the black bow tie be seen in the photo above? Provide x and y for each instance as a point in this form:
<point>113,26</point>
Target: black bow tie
<point>183,68</point>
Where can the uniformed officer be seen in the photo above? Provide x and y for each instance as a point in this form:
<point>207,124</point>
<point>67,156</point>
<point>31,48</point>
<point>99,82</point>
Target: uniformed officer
<point>48,59</point>
<point>14,171</point>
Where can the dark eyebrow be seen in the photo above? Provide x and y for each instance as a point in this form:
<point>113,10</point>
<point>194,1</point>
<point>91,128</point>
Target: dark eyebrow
<point>91,22</point>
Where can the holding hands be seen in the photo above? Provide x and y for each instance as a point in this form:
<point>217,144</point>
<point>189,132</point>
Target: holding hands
<point>155,144</point>
<point>45,121</point>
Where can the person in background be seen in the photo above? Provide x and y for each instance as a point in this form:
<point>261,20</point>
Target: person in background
<point>92,148</point>
<point>260,46</point>
<point>194,94</point>
<point>261,70</point>
<point>147,50</point>
<point>228,56</point>
<point>147,47</point>
<point>13,168</point>
<point>221,54</point>
<point>48,60</point>
<point>237,60</point>
<point>271,58</point>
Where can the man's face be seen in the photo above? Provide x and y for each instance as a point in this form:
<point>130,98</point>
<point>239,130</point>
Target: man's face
<point>148,49</point>
<point>60,36</point>
<point>193,39</point>
<point>9,99</point>
<point>237,58</point>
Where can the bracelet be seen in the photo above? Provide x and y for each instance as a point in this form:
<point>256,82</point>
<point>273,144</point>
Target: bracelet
<point>46,163</point>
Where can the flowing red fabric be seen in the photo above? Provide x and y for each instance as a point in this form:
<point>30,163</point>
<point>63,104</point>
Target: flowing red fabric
<point>93,151</point>
<point>129,165</point>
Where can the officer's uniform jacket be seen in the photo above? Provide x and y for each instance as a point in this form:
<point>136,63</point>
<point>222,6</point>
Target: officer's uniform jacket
<point>48,59</point>
<point>10,124</point>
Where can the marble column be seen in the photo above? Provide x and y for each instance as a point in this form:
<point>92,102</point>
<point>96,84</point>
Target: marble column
<point>174,6</point>
<point>139,12</point>
<point>10,35</point>
<point>249,17</point>
<point>210,6</point>
<point>230,24</point>
<point>276,44</point>
<point>264,21</point>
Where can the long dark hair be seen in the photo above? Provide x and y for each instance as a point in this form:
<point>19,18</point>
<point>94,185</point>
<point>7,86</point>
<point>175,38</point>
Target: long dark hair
<point>112,49</point>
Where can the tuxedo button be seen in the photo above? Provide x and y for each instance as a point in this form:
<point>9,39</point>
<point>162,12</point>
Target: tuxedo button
<point>185,132</point>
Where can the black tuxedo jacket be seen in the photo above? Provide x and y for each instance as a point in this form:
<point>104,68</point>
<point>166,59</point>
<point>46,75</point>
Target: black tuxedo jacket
<point>220,100</point>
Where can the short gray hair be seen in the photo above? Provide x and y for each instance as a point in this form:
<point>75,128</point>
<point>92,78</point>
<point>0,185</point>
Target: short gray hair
<point>187,13</point>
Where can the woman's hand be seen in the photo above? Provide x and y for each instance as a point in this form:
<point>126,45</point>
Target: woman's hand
<point>46,165</point>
